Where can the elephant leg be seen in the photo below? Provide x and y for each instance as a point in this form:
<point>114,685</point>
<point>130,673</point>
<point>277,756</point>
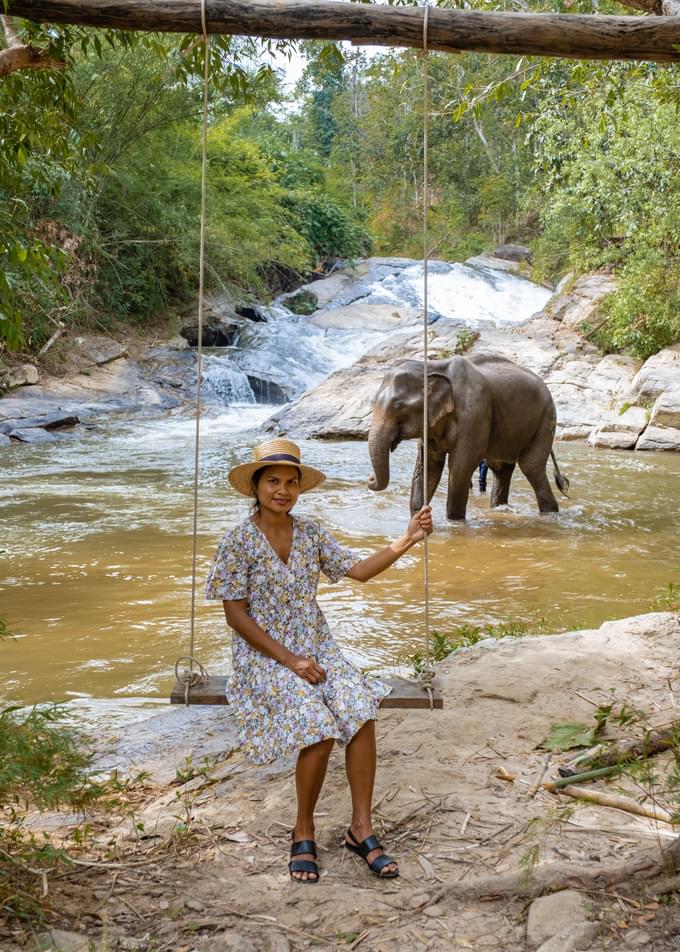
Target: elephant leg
<point>435,467</point>
<point>533,464</point>
<point>501,485</point>
<point>460,477</point>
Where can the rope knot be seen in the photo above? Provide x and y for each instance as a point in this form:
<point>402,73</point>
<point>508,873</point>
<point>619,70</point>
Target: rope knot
<point>189,677</point>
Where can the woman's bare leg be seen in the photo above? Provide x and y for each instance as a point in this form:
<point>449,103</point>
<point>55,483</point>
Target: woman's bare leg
<point>310,772</point>
<point>360,760</point>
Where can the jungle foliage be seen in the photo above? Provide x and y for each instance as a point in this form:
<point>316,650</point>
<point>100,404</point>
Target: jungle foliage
<point>99,174</point>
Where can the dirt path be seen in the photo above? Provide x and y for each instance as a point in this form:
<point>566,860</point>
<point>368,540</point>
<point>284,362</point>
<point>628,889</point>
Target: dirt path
<point>202,865</point>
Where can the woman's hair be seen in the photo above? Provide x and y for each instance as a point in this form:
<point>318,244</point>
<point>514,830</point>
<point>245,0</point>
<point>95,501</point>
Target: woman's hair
<point>255,479</point>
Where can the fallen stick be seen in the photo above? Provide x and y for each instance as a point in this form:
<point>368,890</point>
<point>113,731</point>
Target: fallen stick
<point>538,779</point>
<point>653,742</point>
<point>612,800</point>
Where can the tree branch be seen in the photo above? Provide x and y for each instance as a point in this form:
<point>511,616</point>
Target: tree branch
<point>572,36</point>
<point>18,55</point>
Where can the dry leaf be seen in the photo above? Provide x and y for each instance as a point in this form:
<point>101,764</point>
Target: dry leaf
<point>237,837</point>
<point>427,866</point>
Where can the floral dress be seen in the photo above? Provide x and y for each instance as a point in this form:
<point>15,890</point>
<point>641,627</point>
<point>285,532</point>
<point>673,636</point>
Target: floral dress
<point>277,711</point>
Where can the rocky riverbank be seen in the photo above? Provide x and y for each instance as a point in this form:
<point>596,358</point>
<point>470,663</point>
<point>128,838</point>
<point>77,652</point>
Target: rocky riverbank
<point>201,861</point>
<point>612,401</point>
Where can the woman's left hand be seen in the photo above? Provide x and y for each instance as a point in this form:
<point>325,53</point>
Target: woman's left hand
<point>420,524</point>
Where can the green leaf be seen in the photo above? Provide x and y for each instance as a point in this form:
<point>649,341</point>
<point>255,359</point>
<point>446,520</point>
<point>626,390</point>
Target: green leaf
<point>569,736</point>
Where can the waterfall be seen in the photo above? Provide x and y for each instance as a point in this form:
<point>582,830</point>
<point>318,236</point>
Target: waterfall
<point>228,382</point>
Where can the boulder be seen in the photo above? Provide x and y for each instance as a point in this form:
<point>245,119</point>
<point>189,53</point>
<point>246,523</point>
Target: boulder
<point>658,374</point>
<point>578,304</point>
<point>662,438</point>
<point>51,421</point>
<point>21,376</point>
<point>33,435</point>
<point>178,343</point>
<point>4,440</point>
<point>57,940</point>
<point>620,431</point>
<point>252,312</point>
<point>573,939</point>
<point>266,391</point>
<point>99,350</point>
<point>666,410</point>
<point>368,317</point>
<point>550,915</point>
<point>513,253</point>
<point>489,259</point>
<point>217,332</point>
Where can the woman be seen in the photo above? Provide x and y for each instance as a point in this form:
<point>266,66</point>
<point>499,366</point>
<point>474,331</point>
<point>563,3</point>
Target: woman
<point>292,688</point>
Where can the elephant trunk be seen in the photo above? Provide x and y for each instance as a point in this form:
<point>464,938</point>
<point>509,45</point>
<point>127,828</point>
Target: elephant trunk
<point>379,450</point>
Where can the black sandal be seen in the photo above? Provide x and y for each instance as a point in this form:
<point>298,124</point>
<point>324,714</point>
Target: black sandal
<point>377,865</point>
<point>303,865</point>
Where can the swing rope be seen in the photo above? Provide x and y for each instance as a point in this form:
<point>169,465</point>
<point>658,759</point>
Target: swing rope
<point>195,673</point>
<point>426,675</point>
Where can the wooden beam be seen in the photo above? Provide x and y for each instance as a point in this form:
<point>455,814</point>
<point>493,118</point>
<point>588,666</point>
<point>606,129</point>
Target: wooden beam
<point>404,694</point>
<point>543,34</point>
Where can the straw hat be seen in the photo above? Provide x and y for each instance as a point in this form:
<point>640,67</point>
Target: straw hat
<point>274,453</point>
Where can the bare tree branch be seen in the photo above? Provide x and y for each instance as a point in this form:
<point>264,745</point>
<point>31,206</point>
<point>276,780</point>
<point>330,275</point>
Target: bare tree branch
<point>18,55</point>
<point>572,36</point>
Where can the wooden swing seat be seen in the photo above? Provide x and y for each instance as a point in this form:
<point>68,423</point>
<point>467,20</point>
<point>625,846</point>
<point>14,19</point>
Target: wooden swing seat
<point>404,694</point>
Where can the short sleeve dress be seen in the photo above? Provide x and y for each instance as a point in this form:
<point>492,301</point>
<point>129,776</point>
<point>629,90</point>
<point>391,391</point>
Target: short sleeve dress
<point>277,711</point>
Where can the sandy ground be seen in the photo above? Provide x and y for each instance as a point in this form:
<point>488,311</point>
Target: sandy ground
<point>202,864</point>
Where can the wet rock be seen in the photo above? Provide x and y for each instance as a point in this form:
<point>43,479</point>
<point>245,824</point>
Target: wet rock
<point>267,391</point>
<point>21,376</point>
<point>620,431</point>
<point>658,374</point>
<point>553,914</point>
<point>252,312</point>
<point>489,260</point>
<point>99,350</point>
<point>33,435</point>
<point>217,332</point>
<point>573,939</point>
<point>4,440</point>
<point>659,438</point>
<point>51,421</point>
<point>178,343</point>
<point>368,317</point>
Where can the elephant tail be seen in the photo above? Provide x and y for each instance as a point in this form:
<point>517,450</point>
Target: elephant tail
<point>562,481</point>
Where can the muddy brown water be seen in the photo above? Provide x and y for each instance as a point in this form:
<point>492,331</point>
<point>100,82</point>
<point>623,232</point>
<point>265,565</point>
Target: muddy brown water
<point>96,553</point>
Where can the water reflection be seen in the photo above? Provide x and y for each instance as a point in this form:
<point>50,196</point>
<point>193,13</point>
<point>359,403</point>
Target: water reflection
<point>97,552</point>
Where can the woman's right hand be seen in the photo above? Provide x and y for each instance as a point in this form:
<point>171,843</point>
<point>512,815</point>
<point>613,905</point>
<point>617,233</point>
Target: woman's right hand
<point>307,669</point>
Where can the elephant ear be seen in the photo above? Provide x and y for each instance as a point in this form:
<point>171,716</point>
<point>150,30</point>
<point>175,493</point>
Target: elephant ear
<point>440,405</point>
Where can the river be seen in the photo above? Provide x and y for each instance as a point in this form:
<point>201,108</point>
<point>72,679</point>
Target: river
<point>96,547</point>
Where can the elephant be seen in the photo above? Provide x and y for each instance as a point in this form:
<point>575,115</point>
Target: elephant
<point>479,407</point>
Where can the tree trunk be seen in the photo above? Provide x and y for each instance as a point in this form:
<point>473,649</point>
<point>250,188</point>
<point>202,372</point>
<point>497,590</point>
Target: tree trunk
<point>449,30</point>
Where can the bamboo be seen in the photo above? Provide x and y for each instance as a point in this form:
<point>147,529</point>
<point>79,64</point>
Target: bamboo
<point>587,775</point>
<point>572,36</point>
<point>613,800</point>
